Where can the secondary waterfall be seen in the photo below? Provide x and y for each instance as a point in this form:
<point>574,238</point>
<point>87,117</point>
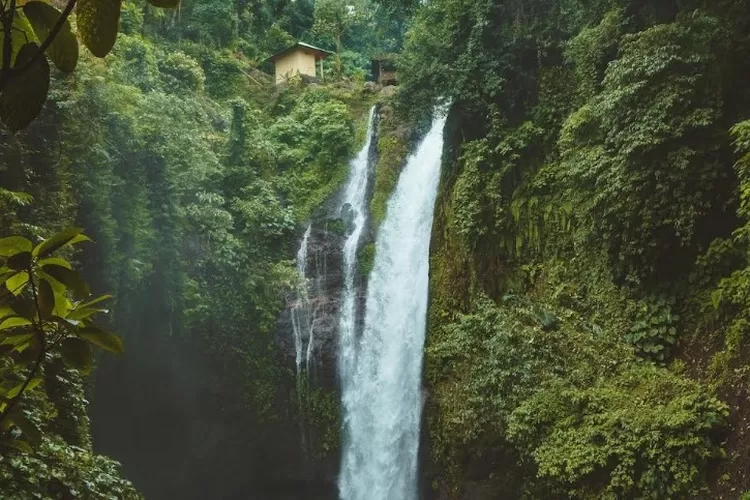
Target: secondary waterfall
<point>310,301</point>
<point>354,212</point>
<point>300,312</point>
<point>382,375</point>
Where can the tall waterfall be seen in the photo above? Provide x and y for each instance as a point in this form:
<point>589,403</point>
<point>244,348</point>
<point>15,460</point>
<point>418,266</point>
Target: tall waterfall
<point>354,212</point>
<point>382,375</point>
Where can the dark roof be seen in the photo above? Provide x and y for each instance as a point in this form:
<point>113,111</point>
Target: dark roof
<point>321,53</point>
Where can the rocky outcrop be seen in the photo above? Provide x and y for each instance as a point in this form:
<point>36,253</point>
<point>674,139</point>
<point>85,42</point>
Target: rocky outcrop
<point>323,303</point>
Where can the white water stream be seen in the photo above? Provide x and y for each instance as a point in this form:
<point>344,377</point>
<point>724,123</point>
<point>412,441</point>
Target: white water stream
<point>381,370</point>
<point>301,309</point>
<point>354,211</point>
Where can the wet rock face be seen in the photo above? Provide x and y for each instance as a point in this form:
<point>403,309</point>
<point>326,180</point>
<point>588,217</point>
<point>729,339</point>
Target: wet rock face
<point>318,313</point>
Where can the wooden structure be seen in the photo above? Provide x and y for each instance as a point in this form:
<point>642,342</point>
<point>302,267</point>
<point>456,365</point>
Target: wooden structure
<point>299,59</point>
<point>384,69</point>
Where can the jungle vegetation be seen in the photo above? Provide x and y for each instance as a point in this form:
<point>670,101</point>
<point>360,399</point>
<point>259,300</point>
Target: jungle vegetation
<point>588,318</point>
<point>590,281</point>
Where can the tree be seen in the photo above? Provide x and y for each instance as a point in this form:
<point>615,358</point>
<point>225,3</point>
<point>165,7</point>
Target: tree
<point>35,29</point>
<point>334,19</point>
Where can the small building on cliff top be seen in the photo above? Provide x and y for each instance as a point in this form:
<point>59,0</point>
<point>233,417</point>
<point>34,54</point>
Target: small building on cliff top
<point>299,59</point>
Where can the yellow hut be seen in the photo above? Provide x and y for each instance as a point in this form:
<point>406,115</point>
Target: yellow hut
<point>299,59</point>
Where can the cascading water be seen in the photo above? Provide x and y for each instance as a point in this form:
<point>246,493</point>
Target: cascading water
<point>305,309</point>
<point>301,318</point>
<point>382,370</point>
<point>354,212</point>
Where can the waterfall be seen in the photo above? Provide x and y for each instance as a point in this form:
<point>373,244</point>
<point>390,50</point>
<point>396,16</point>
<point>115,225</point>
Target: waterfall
<point>307,304</point>
<point>354,212</point>
<point>301,308</point>
<point>382,369</point>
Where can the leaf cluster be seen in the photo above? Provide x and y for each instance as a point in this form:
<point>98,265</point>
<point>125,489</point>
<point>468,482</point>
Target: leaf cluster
<point>46,310</point>
<point>35,31</point>
<point>654,332</point>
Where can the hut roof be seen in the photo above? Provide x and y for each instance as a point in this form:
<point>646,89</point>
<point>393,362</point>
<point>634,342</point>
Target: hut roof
<point>319,53</point>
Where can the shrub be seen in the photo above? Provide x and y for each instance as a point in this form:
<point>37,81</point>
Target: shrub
<point>181,73</point>
<point>588,417</point>
<point>649,159</point>
<point>655,329</point>
<point>641,432</point>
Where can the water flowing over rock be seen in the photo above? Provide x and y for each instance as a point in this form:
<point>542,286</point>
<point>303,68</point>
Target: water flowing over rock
<point>301,311</point>
<point>382,371</point>
<point>309,329</point>
<point>354,212</point>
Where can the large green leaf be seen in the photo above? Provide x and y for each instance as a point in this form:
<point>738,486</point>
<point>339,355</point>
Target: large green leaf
<point>13,322</point>
<point>46,299</point>
<point>22,32</point>
<point>84,311</point>
<point>55,260</point>
<point>77,354</point>
<point>6,311</point>
<point>81,238</point>
<point>69,324</point>
<point>17,283</point>
<point>98,23</point>
<point>5,276</point>
<point>24,95</point>
<point>104,339</point>
<point>13,245</point>
<point>16,340</point>
<point>97,300</point>
<point>33,383</point>
<point>64,48</point>
<point>17,444</point>
<point>69,278</point>
<point>24,306</point>
<point>56,241</point>
<point>19,261</point>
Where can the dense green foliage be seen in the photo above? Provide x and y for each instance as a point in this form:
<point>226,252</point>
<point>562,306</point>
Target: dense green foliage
<point>589,266</point>
<point>45,311</point>
<point>595,423</point>
<point>34,31</point>
<point>48,335</point>
<point>589,245</point>
<point>193,174</point>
